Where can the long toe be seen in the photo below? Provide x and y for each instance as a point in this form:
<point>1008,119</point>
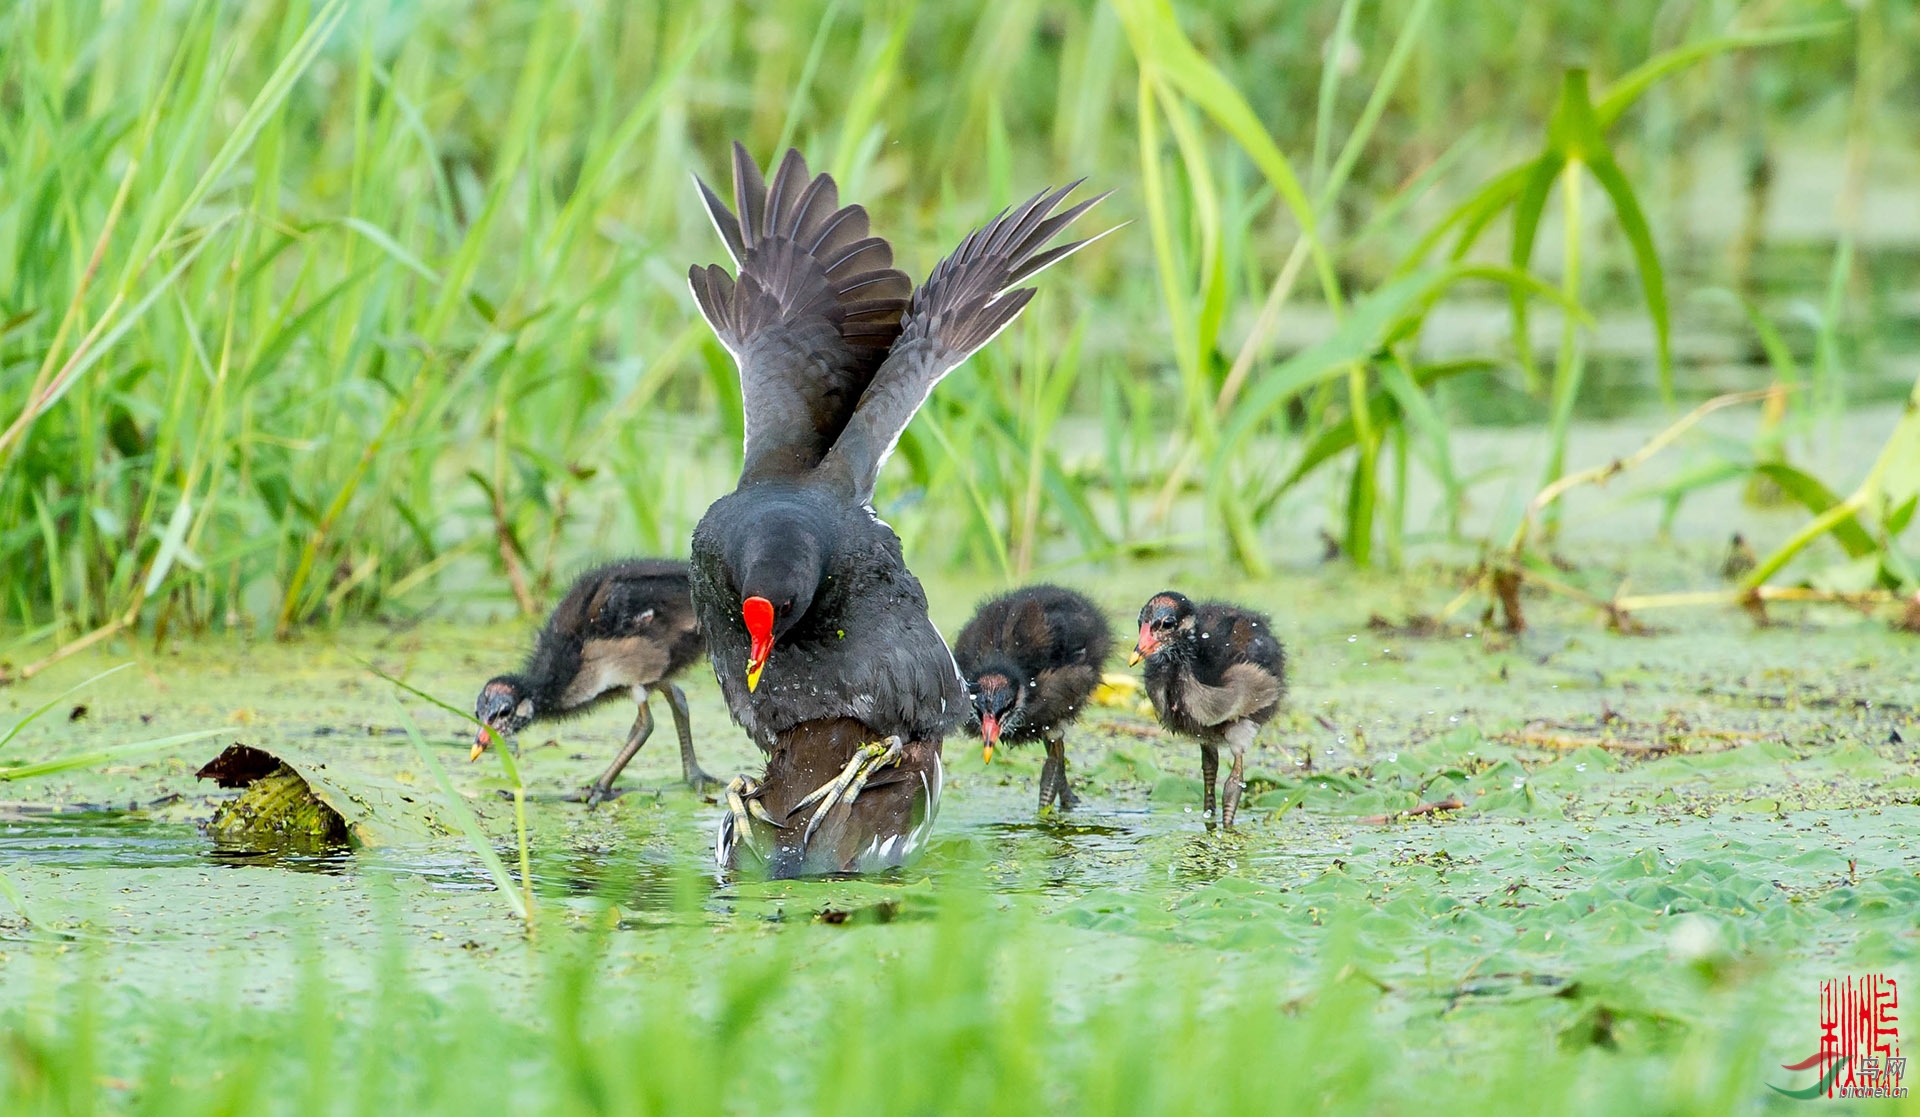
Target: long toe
<point>702,783</point>
<point>846,787</point>
<point>599,793</point>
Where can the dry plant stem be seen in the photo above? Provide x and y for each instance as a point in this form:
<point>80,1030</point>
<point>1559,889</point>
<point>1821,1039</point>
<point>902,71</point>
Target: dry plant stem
<point>1862,599</point>
<point>1601,474</point>
<point>74,647</point>
<point>40,390</point>
<point>1566,742</point>
<point>509,555</point>
<point>1412,812</point>
<point>1262,327</point>
<point>290,606</point>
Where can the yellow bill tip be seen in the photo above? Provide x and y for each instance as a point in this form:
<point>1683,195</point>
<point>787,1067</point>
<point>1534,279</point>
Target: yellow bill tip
<point>753,679</point>
<point>474,755</point>
<point>986,754</point>
<point>1134,657</point>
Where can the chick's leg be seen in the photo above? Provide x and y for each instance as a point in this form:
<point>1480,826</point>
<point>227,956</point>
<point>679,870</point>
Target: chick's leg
<point>1238,738</point>
<point>1057,760</point>
<point>1209,772</point>
<point>689,766</point>
<point>1048,779</point>
<point>602,788</point>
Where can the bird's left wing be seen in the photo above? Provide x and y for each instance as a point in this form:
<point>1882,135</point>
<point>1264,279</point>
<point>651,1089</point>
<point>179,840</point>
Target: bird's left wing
<point>968,299</point>
<point>811,315</point>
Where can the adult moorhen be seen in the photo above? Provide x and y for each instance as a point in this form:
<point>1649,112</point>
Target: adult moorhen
<point>623,628</point>
<point>1214,671</point>
<point>817,630</point>
<point>1031,658</point>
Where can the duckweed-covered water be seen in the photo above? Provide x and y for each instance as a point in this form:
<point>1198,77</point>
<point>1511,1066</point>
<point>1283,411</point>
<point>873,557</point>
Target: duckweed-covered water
<point>1659,837</point>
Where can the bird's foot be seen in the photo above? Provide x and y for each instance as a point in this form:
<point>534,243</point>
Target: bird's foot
<point>743,803</point>
<point>845,787</point>
<point>599,793</point>
<point>743,799</point>
<point>701,783</point>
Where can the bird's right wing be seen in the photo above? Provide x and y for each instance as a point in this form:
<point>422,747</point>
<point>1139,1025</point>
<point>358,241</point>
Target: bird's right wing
<point>969,298</point>
<point>1063,688</point>
<point>811,316</point>
<point>1245,689</point>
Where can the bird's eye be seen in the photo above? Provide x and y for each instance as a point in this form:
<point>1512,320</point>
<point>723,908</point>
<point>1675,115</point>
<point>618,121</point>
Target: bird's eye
<point>786,606</point>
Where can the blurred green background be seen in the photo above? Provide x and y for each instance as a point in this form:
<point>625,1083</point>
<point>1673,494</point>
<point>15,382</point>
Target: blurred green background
<point>315,310</point>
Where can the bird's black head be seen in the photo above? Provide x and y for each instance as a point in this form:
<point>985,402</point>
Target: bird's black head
<point>505,704</point>
<point>1166,627</point>
<point>777,568</point>
<point>998,692</point>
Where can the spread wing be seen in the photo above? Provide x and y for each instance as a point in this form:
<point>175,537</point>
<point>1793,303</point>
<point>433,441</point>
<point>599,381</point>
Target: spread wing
<point>811,316</point>
<point>967,300</point>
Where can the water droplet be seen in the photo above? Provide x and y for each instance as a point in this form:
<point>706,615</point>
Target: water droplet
<point>1579,767</point>
<point>1352,639</point>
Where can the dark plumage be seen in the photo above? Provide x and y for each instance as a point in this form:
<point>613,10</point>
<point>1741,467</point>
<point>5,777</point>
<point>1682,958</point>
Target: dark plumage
<point>623,628</point>
<point>1031,658</point>
<point>794,577</point>
<point>1216,672</point>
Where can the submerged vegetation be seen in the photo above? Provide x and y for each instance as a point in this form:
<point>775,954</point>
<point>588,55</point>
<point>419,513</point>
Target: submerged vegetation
<point>1521,876</point>
<point>308,307</point>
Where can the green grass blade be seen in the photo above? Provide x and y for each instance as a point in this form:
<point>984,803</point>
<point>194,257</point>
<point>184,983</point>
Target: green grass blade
<point>1471,217</point>
<point>464,818</point>
<point>1419,411</point>
<point>1358,337</point>
<point>1330,90</point>
<point>1164,49</point>
<point>511,767</point>
<point>1772,343</point>
<point>11,892</point>
<point>797,97</point>
<point>1376,105</point>
<point>102,756</point>
<point>263,106</point>
<point>1528,207</point>
<point>1339,437</point>
<point>1518,282</point>
<point>380,239</point>
<point>1813,495</point>
<point>1383,218</point>
<point>1621,95</point>
<point>1653,279</point>
<point>56,700</point>
<point>171,542</point>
